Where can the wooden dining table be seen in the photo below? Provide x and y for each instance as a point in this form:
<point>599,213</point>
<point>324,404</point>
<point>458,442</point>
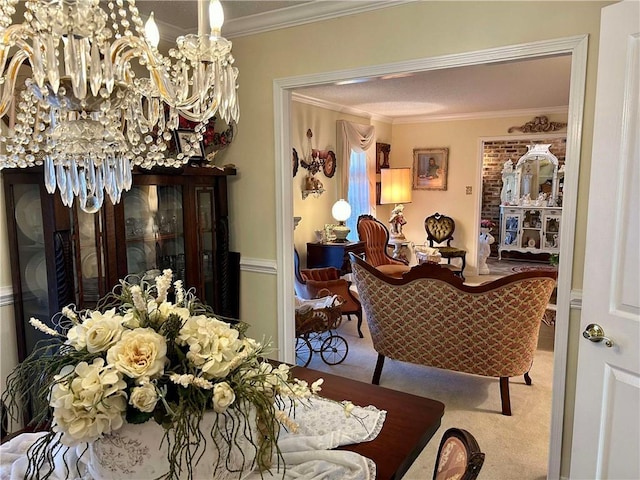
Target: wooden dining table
<point>410,423</point>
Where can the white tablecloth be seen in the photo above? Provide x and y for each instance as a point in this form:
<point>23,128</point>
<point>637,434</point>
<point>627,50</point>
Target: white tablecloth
<point>308,454</point>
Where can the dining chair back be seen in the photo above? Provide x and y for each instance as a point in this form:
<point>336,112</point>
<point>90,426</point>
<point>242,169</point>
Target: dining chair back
<point>459,456</point>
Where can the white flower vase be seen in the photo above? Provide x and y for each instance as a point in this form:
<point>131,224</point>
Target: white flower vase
<point>140,451</point>
<point>484,250</point>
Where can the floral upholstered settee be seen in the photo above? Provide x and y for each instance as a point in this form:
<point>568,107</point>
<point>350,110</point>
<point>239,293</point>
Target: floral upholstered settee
<point>429,317</point>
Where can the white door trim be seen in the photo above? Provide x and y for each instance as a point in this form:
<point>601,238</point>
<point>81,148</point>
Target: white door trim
<point>282,88</point>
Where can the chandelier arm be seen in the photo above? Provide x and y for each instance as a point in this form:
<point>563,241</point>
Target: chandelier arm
<point>11,76</point>
<point>123,51</point>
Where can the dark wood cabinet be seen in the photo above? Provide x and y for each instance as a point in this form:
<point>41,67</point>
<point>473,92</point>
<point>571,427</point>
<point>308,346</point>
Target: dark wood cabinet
<point>333,255</point>
<point>174,219</point>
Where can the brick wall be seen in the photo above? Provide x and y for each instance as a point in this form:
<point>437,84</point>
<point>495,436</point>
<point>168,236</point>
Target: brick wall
<point>494,155</point>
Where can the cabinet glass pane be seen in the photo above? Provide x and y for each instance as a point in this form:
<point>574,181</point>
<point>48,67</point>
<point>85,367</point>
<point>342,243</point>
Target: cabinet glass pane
<point>552,232</point>
<point>169,229</point>
<point>204,199</point>
<point>92,284</point>
<point>32,259</point>
<point>512,226</point>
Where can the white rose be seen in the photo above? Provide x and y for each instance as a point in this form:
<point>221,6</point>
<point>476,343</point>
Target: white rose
<point>140,352</point>
<point>223,396</point>
<point>97,333</point>
<point>144,398</point>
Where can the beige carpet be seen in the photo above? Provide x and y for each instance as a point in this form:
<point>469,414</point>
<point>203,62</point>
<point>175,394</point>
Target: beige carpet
<point>515,447</point>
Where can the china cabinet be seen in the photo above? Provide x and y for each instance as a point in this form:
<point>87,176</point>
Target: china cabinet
<point>531,197</point>
<point>170,218</point>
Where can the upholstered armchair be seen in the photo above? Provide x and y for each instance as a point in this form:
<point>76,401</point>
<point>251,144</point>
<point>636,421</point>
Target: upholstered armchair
<point>315,282</point>
<point>376,238</point>
<point>430,317</point>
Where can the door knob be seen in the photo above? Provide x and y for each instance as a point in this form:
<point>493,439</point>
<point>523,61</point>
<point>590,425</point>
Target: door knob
<point>595,333</point>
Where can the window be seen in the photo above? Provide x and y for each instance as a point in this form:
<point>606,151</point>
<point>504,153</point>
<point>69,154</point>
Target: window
<point>358,194</point>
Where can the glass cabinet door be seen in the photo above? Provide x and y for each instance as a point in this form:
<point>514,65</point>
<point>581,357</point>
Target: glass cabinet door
<point>552,231</point>
<point>140,229</point>
<point>90,264</point>
<point>169,229</point>
<point>511,229</point>
<point>31,260</point>
<point>206,241</point>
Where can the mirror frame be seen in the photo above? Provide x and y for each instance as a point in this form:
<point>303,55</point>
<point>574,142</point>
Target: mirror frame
<point>537,152</point>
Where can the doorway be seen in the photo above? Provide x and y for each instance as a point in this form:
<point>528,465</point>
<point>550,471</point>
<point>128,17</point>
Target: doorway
<point>576,47</point>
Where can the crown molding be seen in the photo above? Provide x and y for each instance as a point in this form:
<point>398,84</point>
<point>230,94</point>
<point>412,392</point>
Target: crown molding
<point>301,14</point>
<point>561,110</point>
<point>296,97</point>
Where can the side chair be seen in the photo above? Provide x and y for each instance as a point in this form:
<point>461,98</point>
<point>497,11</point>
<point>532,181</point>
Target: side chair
<point>459,456</point>
<point>440,229</point>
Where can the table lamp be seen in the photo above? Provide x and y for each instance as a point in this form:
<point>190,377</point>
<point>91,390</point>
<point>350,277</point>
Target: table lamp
<point>396,188</point>
<point>341,211</point>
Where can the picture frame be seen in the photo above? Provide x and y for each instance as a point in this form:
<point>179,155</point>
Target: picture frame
<point>430,168</point>
<point>382,156</point>
<point>182,140</point>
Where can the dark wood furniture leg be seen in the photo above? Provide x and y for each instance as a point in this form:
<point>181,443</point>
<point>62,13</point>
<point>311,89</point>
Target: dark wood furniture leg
<point>527,378</point>
<point>378,371</point>
<point>504,395</point>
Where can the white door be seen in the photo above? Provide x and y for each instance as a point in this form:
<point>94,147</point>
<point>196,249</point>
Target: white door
<point>606,435</point>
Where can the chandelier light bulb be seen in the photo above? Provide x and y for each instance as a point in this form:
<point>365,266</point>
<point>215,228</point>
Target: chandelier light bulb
<point>151,31</point>
<point>216,17</point>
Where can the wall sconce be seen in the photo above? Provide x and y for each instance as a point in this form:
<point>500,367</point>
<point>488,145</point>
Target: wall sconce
<point>341,211</point>
<point>314,160</point>
<point>396,188</point>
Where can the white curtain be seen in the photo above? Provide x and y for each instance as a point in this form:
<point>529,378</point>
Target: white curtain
<point>359,138</point>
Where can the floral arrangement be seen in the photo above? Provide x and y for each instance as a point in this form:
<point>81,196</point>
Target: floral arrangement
<point>486,223</point>
<point>139,357</point>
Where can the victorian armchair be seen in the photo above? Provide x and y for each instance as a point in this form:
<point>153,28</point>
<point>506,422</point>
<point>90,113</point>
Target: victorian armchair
<point>310,282</point>
<point>440,230</point>
<point>376,238</point>
<point>430,317</point>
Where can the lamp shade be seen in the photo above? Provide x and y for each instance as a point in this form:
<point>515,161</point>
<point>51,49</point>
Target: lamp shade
<point>341,210</point>
<point>395,185</point>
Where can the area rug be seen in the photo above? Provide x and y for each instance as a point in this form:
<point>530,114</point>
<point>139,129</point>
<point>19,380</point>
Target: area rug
<point>530,268</point>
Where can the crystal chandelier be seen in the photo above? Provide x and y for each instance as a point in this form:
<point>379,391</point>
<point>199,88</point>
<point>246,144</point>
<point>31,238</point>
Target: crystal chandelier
<point>99,98</point>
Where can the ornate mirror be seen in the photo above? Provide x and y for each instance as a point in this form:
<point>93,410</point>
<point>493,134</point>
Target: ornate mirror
<point>537,176</point>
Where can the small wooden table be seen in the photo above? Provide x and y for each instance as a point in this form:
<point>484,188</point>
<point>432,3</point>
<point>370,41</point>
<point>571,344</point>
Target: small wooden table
<point>410,423</point>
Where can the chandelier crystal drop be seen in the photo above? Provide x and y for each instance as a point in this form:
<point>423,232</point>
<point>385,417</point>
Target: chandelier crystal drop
<point>91,96</point>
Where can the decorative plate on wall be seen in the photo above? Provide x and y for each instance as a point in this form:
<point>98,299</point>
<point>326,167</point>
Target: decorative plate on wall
<point>329,165</point>
<point>296,162</point>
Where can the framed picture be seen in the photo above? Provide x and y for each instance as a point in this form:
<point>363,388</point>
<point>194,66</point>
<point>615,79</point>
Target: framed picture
<point>382,156</point>
<point>183,143</point>
<point>430,166</point>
